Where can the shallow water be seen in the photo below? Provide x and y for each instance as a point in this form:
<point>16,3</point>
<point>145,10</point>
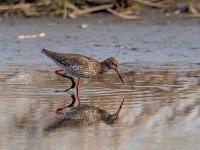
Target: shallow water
<point>162,96</point>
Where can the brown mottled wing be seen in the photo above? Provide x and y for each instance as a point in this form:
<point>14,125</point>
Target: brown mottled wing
<point>75,64</point>
<point>80,66</point>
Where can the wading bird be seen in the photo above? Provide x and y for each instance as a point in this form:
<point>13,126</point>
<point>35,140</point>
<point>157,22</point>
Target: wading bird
<point>80,66</point>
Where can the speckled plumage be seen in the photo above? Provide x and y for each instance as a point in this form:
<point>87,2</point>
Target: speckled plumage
<point>75,65</point>
<point>84,115</point>
<point>80,66</point>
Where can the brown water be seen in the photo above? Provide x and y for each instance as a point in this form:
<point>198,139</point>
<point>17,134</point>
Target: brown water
<point>161,91</point>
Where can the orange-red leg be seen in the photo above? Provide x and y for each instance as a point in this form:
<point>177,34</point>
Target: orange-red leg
<point>59,72</point>
<point>59,111</point>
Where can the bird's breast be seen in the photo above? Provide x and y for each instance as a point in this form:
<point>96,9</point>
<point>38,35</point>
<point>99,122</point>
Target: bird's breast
<point>80,72</point>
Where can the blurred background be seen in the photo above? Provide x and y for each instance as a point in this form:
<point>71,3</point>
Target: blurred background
<point>74,8</point>
<point>157,45</point>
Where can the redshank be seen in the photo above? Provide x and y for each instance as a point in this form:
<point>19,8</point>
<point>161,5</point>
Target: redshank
<point>80,66</point>
<point>83,115</point>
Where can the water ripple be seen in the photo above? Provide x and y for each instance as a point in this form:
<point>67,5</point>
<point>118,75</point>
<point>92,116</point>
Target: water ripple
<point>159,105</point>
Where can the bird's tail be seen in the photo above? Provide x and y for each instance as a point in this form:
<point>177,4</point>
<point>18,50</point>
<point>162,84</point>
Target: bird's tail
<point>53,56</point>
<point>47,52</point>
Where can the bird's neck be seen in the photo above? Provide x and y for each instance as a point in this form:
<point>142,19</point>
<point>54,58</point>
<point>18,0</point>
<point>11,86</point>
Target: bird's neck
<point>107,117</point>
<point>103,68</point>
<point>104,114</point>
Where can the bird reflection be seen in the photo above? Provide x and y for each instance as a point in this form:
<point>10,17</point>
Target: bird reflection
<point>82,115</point>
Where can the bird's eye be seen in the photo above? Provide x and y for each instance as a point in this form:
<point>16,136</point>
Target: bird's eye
<point>114,64</point>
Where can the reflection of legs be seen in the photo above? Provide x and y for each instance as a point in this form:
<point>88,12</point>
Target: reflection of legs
<point>77,90</point>
<point>59,110</point>
<point>58,72</point>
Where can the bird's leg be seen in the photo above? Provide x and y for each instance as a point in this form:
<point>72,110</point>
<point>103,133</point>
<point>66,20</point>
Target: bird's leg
<point>60,110</point>
<point>77,91</point>
<point>58,72</point>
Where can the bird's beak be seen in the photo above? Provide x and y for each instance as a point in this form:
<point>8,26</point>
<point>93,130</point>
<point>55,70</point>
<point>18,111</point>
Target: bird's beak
<point>119,75</point>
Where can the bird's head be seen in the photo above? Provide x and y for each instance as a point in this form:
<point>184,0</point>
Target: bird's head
<point>114,117</point>
<point>112,63</point>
